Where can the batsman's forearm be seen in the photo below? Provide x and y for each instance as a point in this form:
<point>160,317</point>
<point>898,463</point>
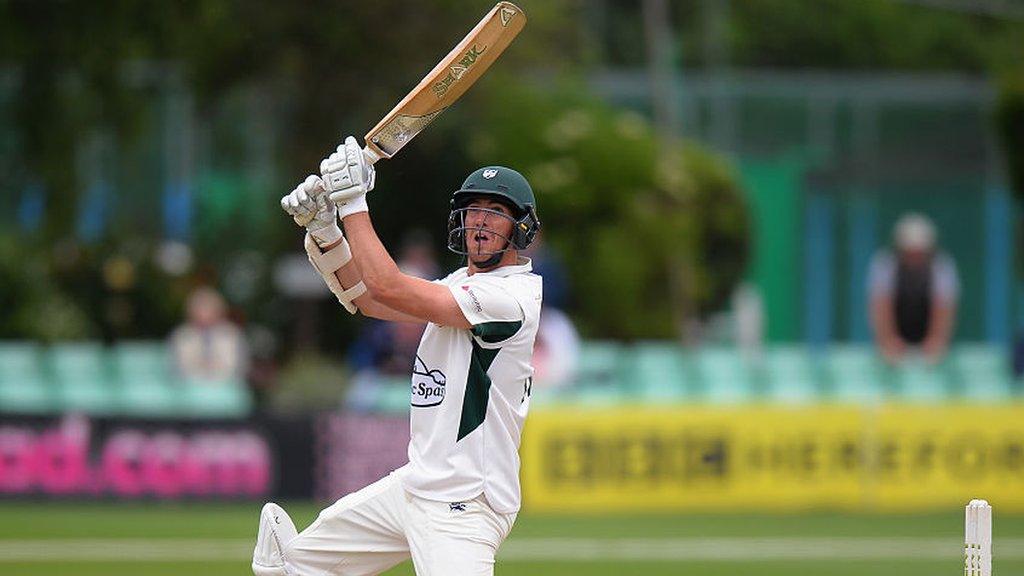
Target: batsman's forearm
<point>349,275</point>
<point>380,273</point>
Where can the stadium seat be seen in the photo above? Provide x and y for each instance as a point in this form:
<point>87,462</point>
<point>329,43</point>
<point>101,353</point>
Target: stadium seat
<point>23,386</point>
<point>658,372</point>
<point>548,396</point>
<point>142,359</point>
<point>726,377</point>
<point>792,375</point>
<point>393,395</point>
<point>854,374</point>
<point>983,372</point>
<point>215,398</point>
<point>144,377</point>
<point>917,381</point>
<point>593,397</point>
<point>600,365</point>
<point>600,379</point>
<point>82,378</point>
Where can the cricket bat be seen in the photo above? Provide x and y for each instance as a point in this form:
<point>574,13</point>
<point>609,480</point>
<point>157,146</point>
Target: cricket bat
<point>449,80</point>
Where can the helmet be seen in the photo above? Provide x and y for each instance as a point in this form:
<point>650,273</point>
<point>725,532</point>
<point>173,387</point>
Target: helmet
<point>501,184</point>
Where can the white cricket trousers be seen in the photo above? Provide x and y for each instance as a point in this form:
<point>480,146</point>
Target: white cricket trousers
<point>369,531</point>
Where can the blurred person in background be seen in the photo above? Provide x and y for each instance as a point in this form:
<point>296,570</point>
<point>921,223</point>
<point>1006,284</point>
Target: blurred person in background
<point>556,352</point>
<point>208,346</point>
<point>549,267</point>
<point>913,290</point>
<point>384,351</point>
<point>263,371</point>
<point>470,383</point>
<point>557,349</point>
<point>749,321</point>
<point>417,257</point>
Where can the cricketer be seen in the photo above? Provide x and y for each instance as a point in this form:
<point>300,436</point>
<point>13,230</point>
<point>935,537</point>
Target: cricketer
<point>452,505</point>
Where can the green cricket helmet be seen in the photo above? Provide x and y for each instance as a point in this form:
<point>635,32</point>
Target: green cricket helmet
<point>504,185</point>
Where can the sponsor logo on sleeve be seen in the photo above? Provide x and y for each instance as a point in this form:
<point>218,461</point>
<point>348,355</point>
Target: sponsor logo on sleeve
<point>427,385</point>
<point>472,296</point>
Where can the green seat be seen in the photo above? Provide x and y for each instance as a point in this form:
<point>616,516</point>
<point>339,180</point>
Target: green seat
<point>599,365</point>
<point>392,395</point>
<point>145,386</point>
<point>592,397</point>
<point>983,372</point>
<point>82,378</point>
<point>545,396</point>
<point>142,360</point>
<point>150,398</point>
<point>855,374</point>
<point>918,381</point>
<point>23,386</point>
<point>598,381</point>
<point>215,398</point>
<point>659,372</point>
<point>792,375</point>
<point>726,377</point>
<point>18,359</point>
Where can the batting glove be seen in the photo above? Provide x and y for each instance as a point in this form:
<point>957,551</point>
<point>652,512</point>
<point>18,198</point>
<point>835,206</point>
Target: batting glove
<point>348,176</point>
<point>310,206</point>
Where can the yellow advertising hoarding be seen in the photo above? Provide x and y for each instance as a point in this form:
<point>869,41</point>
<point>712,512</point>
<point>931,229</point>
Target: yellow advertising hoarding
<point>773,458</point>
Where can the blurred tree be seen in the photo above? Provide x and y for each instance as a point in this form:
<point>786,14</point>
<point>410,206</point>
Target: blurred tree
<point>826,34</point>
<point>312,69</point>
<point>645,237</point>
<point>309,383</point>
<point>337,64</point>
<point>1009,118</point>
<point>868,34</point>
<point>34,307</point>
<point>649,239</point>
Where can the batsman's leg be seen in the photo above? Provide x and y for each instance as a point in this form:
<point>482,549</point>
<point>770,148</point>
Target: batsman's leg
<point>361,534</point>
<point>456,538</point>
<point>276,530</point>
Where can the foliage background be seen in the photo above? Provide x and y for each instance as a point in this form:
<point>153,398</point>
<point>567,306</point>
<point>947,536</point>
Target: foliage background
<point>652,232</point>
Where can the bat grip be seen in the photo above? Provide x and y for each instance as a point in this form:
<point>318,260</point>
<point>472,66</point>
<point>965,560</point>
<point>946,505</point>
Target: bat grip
<point>370,155</point>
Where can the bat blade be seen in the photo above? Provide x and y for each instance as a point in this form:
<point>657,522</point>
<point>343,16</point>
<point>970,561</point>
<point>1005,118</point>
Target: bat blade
<point>449,80</point>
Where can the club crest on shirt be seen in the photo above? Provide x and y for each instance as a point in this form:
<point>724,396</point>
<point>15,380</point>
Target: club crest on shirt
<point>427,385</point>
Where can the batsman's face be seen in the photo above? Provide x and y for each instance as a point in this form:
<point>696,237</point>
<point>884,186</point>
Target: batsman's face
<point>489,227</point>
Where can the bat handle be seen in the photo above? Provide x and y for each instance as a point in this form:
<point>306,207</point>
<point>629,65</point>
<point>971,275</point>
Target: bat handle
<point>370,155</point>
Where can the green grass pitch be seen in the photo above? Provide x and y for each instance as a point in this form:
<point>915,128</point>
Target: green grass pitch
<point>148,539</point>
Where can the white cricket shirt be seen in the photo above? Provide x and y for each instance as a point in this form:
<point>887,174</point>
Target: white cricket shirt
<point>471,390</point>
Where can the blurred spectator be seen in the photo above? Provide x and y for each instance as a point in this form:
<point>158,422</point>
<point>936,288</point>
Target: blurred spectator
<point>749,319</point>
<point>263,371</point>
<point>556,350</point>
<point>385,351</point>
<point>386,347</point>
<point>417,257</point>
<point>208,346</point>
<point>552,273</point>
<point>913,291</point>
